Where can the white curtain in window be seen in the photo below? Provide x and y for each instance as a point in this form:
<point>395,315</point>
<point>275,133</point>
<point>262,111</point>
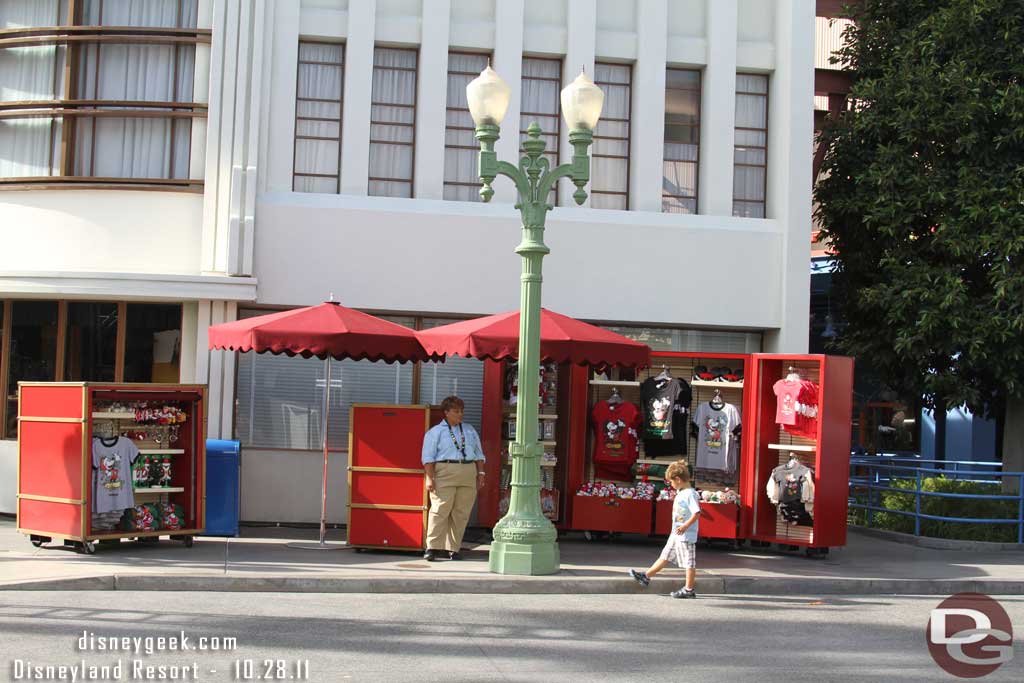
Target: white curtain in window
<point>456,376</point>
<point>461,147</point>
<point>30,73</point>
<point>540,102</point>
<point>610,156</point>
<point>136,147</point>
<point>750,171</point>
<point>318,115</point>
<point>392,122</point>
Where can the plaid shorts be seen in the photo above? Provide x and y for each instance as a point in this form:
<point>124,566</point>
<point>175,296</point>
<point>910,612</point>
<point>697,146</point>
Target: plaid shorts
<point>679,552</point>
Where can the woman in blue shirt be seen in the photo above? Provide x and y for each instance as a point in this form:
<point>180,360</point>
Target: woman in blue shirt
<point>453,458</point>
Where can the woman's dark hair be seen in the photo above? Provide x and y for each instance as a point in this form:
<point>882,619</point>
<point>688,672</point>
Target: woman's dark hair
<point>452,402</point>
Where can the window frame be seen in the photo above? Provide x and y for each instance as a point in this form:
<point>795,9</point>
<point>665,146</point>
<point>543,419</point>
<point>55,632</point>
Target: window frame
<point>341,111</point>
<point>629,130</point>
<point>765,94</point>
<point>74,36</point>
<point>524,124</point>
<point>444,181</point>
<point>412,144</point>
<point>60,365</point>
<point>696,162</point>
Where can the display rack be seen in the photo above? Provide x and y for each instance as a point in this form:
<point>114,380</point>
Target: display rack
<point>588,515</point>
<point>827,454</point>
<point>57,421</point>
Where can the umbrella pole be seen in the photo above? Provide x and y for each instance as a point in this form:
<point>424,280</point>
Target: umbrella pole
<point>322,545</point>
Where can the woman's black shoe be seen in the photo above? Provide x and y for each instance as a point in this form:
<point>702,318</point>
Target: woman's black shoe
<point>453,555</point>
<point>430,555</point>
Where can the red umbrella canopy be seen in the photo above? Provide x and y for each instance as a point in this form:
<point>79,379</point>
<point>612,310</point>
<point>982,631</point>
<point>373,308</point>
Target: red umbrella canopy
<point>329,329</point>
<point>562,339</point>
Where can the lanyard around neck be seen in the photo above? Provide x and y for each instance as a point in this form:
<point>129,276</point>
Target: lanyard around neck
<point>462,432</point>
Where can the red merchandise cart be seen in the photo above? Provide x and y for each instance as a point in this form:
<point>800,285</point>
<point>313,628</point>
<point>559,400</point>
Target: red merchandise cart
<point>56,425</point>
<point>387,503</point>
<point>826,451</point>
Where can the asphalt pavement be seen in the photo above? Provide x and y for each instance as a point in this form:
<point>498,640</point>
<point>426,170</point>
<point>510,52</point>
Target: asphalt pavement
<point>416,637</point>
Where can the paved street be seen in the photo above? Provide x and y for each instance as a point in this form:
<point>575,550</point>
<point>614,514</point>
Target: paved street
<point>479,637</point>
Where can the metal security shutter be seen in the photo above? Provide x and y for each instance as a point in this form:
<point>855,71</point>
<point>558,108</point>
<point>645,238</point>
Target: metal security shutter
<point>462,377</point>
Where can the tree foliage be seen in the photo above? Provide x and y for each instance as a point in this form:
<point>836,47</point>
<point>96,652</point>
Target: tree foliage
<point>923,197</point>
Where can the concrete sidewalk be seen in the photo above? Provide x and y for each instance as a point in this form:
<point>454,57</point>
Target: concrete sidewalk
<point>262,561</point>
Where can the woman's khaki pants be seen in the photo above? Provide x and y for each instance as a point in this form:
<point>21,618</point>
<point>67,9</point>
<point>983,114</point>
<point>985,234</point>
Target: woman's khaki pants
<point>451,501</point>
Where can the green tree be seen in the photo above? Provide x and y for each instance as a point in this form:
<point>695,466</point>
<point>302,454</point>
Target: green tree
<point>923,202</point>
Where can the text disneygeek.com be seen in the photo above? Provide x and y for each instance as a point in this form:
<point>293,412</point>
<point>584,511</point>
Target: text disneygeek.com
<point>132,664</point>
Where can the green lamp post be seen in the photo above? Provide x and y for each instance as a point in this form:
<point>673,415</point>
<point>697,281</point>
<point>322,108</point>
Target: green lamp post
<point>524,539</point>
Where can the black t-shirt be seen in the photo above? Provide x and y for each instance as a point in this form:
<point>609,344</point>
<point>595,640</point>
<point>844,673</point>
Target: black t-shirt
<point>659,398</point>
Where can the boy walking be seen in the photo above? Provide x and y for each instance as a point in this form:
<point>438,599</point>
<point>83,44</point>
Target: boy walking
<point>680,549</point>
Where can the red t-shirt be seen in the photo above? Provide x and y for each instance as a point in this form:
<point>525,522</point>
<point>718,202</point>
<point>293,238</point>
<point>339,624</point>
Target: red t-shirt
<point>615,439</point>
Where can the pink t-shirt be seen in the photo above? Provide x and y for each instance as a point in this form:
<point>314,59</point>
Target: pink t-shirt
<point>786,393</point>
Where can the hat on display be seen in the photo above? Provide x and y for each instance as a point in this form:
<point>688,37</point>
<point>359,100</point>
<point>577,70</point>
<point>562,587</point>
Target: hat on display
<point>701,372</point>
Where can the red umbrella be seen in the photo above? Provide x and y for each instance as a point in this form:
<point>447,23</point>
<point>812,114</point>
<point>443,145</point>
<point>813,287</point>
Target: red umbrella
<point>326,331</point>
<point>329,329</point>
<point>562,339</point>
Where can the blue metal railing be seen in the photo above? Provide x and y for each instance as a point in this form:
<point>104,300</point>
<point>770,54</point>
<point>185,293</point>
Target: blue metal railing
<point>879,476</point>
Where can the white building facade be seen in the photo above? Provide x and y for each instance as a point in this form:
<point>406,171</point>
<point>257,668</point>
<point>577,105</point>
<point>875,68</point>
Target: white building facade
<point>321,147</point>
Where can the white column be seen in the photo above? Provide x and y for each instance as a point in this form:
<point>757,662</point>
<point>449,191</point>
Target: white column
<point>718,111</point>
<point>508,62</point>
<point>790,154</point>
<point>648,125</point>
<point>431,100</point>
<point>355,130</point>
<point>189,342</point>
<point>581,46</point>
<point>278,132</point>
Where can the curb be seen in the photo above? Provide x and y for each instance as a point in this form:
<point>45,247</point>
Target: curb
<point>937,543</point>
<point>525,585</point>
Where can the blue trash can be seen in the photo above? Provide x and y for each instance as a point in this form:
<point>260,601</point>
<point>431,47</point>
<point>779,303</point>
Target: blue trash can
<point>223,460</point>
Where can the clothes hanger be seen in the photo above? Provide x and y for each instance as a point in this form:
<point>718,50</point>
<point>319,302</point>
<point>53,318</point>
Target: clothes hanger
<point>615,398</point>
<point>794,375</point>
<point>716,401</point>
<point>664,374</point>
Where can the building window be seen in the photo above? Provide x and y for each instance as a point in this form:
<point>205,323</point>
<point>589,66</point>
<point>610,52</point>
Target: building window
<point>98,91</point>
<point>461,180</point>
<point>91,342</point>
<point>392,122</point>
<point>281,399</point>
<point>541,85</point>
<point>609,184</point>
<point>318,97</point>
<point>47,341</point>
<point>750,164</point>
<point>682,141</point>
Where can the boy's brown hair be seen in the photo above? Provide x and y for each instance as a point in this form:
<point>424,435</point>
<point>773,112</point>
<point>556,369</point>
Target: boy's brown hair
<point>678,470</point>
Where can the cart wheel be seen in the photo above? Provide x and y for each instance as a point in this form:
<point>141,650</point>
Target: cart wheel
<point>37,541</point>
<point>188,541</point>
<point>740,542</point>
<point>87,547</point>
<point>360,550</point>
<point>817,553</point>
<point>588,536</point>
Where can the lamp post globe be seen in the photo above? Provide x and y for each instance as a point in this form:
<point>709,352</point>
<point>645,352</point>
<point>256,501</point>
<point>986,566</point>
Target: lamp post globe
<point>524,539</point>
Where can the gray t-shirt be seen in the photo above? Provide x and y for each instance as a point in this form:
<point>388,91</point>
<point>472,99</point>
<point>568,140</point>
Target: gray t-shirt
<point>112,475</point>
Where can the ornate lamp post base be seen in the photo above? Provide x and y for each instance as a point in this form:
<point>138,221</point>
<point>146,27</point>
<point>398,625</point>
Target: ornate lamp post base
<point>529,559</point>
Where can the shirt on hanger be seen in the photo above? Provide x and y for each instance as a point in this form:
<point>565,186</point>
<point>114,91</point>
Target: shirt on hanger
<point>615,439</point>
<point>715,434</point>
<point>112,474</point>
<point>786,392</point>
<point>659,398</point>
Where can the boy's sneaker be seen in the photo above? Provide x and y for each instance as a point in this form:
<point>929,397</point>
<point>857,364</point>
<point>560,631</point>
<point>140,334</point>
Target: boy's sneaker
<point>640,578</point>
<point>684,593</point>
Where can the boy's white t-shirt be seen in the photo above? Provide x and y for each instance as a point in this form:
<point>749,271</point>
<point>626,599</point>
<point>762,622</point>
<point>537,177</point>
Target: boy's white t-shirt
<point>685,505</point>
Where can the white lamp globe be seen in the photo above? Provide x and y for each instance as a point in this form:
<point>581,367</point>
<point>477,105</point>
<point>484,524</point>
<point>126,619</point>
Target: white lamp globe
<point>581,103</point>
<point>488,97</point>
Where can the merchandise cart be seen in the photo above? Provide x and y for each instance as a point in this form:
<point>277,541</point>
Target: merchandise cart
<point>57,421</point>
